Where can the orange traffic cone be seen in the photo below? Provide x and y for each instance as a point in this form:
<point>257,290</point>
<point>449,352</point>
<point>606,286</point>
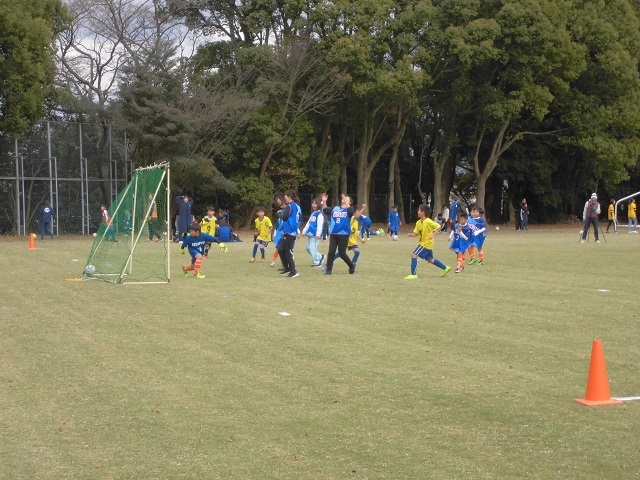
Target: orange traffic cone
<point>597,384</point>
<point>32,241</point>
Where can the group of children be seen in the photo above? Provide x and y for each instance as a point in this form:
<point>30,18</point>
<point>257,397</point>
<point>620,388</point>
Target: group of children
<point>467,235</point>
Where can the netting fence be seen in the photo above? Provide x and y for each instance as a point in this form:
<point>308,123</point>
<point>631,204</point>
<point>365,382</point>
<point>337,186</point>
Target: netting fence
<point>78,166</point>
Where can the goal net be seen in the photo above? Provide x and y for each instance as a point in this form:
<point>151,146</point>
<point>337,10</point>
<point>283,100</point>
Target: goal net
<point>133,247</point>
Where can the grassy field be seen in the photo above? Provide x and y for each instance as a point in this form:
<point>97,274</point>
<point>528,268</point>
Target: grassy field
<point>471,376</point>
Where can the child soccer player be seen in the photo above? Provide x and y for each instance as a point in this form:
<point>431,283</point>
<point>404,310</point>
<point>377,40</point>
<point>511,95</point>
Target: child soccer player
<point>277,234</point>
<point>264,228</point>
<point>195,243</point>
<point>479,228</point>
<point>365,227</point>
<point>208,226</point>
<point>393,221</point>
<point>426,230</point>
<point>313,230</point>
<point>461,233</point>
<point>106,221</point>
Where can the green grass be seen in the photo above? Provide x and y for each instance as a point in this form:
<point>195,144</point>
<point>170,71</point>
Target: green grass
<point>471,376</point>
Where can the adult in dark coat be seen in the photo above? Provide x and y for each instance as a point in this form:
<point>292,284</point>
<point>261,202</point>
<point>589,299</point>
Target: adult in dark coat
<point>185,218</point>
<point>524,214</point>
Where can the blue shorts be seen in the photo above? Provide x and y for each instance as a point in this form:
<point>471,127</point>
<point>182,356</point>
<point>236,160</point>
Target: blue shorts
<point>478,241</point>
<point>352,247</point>
<point>423,253</point>
<point>262,242</point>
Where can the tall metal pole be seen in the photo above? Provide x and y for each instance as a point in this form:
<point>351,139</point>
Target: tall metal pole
<point>82,199</point>
<point>86,192</point>
<point>56,206</point>
<point>22,194</point>
<point>113,170</point>
<point>50,165</point>
<point>17,188</point>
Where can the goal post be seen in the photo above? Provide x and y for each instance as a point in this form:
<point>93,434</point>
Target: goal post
<point>134,246</point>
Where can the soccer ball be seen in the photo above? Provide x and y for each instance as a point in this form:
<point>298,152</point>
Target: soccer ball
<point>89,270</point>
<point>394,237</point>
<point>497,228</point>
<point>95,234</point>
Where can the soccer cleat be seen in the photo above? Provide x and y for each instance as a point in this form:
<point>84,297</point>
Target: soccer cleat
<point>597,241</point>
<point>285,273</point>
<point>293,274</point>
<point>262,260</point>
<point>199,276</point>
<point>480,263</point>
<point>472,261</point>
<point>223,248</point>
<point>459,269</point>
<point>581,241</point>
<point>253,259</point>
<point>411,277</point>
<point>185,271</point>
<point>326,272</point>
<point>182,251</point>
<point>272,264</point>
<point>445,271</point>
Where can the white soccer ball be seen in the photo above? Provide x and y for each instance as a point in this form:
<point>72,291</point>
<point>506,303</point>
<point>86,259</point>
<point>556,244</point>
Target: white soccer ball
<point>497,228</point>
<point>95,234</point>
<point>394,237</point>
<point>89,270</point>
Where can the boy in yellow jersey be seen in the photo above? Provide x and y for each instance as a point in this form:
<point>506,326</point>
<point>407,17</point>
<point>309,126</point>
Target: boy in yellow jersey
<point>208,226</point>
<point>611,214</point>
<point>426,230</point>
<point>633,219</point>
<point>264,227</point>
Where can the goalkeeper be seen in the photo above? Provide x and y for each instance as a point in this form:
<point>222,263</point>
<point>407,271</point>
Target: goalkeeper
<point>195,242</point>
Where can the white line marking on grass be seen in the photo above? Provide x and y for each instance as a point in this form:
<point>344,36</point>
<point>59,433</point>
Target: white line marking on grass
<point>284,314</point>
<point>603,290</point>
<point>626,399</point>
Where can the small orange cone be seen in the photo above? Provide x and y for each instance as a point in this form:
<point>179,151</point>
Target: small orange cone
<point>32,241</point>
<point>597,384</point>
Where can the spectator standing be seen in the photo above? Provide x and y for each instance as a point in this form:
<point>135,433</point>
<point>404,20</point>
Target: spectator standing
<point>590,217</point>
<point>185,217</point>
<point>523,215</point>
<point>46,217</point>
<point>445,217</point>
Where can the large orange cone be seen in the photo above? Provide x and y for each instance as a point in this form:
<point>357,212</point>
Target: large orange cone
<point>597,384</point>
<point>32,241</point>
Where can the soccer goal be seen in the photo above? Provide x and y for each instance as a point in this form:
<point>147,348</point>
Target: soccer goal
<point>134,246</point>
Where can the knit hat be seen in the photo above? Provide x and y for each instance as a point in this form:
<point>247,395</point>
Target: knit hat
<point>593,195</point>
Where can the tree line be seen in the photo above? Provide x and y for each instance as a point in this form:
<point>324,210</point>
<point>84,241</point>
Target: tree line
<point>492,100</point>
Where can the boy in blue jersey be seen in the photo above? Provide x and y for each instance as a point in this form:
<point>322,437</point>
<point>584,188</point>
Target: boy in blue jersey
<point>46,216</point>
<point>340,230</point>
<point>264,229</point>
<point>393,221</point>
<point>479,228</point>
<point>195,243</point>
<point>365,226</point>
<point>426,229</point>
<point>313,230</point>
<point>290,216</point>
<point>461,238</point>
